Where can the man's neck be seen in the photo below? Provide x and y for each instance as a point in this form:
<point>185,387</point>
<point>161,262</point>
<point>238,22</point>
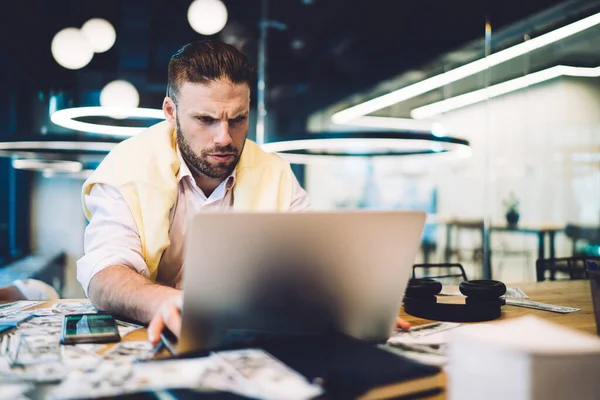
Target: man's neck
<point>206,184</point>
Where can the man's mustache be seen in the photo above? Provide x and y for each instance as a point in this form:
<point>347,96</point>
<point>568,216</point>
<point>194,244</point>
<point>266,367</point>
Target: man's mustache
<point>222,149</point>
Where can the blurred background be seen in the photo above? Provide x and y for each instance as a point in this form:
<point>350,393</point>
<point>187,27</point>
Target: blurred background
<point>486,115</point>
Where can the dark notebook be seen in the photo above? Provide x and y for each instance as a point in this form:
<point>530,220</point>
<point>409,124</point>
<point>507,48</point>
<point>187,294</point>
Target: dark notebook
<point>349,368</point>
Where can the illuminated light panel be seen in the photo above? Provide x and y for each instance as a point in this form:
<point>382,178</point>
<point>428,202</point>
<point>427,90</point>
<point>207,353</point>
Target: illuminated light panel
<point>464,71</point>
<point>477,96</point>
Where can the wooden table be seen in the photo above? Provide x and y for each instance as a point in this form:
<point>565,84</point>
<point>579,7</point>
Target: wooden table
<point>569,293</point>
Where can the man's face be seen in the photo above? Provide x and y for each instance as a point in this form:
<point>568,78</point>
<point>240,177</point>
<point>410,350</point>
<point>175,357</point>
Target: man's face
<point>212,125</point>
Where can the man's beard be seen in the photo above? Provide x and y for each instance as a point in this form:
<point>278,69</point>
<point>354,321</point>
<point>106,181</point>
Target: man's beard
<point>201,163</point>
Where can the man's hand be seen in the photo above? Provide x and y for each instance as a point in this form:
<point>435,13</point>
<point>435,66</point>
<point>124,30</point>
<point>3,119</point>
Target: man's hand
<point>169,315</point>
<point>402,324</point>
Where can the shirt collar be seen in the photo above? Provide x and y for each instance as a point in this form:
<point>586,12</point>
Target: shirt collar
<point>184,172</point>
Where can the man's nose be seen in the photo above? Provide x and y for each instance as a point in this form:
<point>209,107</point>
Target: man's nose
<point>223,137</point>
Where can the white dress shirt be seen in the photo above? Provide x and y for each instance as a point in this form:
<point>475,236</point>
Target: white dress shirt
<point>112,238</point>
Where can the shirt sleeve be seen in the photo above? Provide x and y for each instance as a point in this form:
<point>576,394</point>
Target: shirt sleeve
<point>300,199</point>
<point>111,237</point>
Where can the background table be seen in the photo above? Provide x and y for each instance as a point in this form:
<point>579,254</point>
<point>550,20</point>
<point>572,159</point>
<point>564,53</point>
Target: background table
<point>540,230</point>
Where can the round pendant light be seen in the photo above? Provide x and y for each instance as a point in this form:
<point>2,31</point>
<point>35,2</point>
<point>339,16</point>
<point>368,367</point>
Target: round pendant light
<point>67,118</point>
<point>70,49</point>
<point>331,146</point>
<point>100,34</point>
<point>207,17</point>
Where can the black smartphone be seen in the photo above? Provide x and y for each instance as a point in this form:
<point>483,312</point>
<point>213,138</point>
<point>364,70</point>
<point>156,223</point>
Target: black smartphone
<point>89,328</point>
<point>169,340</point>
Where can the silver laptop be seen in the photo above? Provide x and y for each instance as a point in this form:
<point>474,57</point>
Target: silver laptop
<point>253,274</point>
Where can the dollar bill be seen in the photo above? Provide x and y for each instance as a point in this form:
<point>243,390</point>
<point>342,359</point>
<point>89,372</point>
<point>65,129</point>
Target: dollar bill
<point>541,306</point>
<point>17,306</point>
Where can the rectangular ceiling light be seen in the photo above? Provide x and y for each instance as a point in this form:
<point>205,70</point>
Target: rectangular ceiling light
<point>464,71</point>
<point>395,123</point>
<point>476,96</point>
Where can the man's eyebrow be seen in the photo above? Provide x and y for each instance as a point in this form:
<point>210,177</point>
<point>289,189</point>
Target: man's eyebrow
<point>240,114</point>
<point>204,114</point>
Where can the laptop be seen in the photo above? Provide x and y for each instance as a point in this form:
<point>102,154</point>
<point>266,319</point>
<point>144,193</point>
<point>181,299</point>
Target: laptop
<point>248,275</point>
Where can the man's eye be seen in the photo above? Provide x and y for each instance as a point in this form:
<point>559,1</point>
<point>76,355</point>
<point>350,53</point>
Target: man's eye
<point>238,120</point>
<point>206,120</point>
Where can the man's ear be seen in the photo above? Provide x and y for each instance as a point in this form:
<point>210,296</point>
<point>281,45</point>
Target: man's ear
<point>170,111</point>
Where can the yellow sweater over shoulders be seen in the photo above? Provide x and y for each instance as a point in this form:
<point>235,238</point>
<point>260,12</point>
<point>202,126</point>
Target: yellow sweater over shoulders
<point>144,169</point>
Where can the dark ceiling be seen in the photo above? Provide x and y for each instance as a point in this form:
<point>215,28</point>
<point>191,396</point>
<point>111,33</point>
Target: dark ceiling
<point>326,50</point>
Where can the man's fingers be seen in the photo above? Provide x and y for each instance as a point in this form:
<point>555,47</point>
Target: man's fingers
<point>172,318</point>
<point>402,324</point>
<point>155,328</point>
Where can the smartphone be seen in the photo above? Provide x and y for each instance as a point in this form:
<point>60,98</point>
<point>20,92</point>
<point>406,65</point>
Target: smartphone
<point>169,340</point>
<point>89,328</point>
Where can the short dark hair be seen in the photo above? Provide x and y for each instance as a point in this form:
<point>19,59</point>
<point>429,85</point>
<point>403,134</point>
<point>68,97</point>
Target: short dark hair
<point>206,61</point>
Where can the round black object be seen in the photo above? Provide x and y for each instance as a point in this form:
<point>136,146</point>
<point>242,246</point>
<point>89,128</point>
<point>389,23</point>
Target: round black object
<point>483,290</point>
<point>423,288</point>
<point>479,311</point>
<point>471,301</point>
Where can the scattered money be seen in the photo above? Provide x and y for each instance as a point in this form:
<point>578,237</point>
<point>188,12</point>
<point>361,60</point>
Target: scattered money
<point>47,325</point>
<point>252,372</point>
<point>38,373</point>
<point>15,391</point>
<point>515,293</point>
<point>541,306</point>
<point>266,377</point>
<point>33,350</point>
<point>79,357</point>
<point>74,307</point>
<point>9,343</point>
<point>429,334</point>
<point>15,317</point>
<point>45,312</point>
<point>430,355</point>
<point>17,306</point>
<point>128,324</point>
<point>132,351</point>
<point>120,376</point>
<point>427,329</point>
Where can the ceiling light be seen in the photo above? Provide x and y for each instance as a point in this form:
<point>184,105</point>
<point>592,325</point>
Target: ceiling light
<point>66,119</point>
<point>327,147</point>
<point>121,94</point>
<point>476,96</point>
<point>100,34</point>
<point>403,124</point>
<point>35,164</point>
<point>70,49</point>
<point>464,71</point>
<point>207,17</point>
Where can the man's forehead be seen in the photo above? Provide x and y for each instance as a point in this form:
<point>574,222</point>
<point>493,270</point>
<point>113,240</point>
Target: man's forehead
<point>214,96</point>
<point>219,88</point>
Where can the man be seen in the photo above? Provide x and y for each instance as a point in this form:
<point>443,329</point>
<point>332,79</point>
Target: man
<point>139,199</point>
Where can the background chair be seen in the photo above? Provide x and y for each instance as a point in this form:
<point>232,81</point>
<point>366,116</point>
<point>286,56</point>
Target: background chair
<point>573,267</point>
<point>453,273</point>
<point>585,240</point>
